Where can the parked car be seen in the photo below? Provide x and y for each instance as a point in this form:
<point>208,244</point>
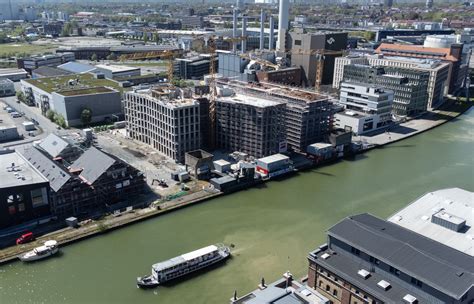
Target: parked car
<point>25,238</point>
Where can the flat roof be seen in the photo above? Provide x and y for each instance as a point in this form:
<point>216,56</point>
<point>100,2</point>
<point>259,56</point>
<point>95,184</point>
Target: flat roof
<point>273,158</point>
<point>15,170</point>
<point>250,100</point>
<point>4,72</point>
<point>116,68</point>
<point>456,203</point>
<point>184,257</point>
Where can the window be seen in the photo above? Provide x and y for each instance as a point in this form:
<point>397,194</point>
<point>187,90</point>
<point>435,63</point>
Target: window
<point>297,42</point>
<point>374,260</point>
<point>328,288</point>
<point>21,207</point>
<point>334,292</point>
<point>11,210</point>
<point>38,197</point>
<point>355,251</point>
<point>416,282</point>
<point>320,283</point>
<point>395,271</point>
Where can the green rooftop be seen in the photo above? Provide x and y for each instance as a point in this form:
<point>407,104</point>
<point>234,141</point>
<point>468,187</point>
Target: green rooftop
<point>85,81</point>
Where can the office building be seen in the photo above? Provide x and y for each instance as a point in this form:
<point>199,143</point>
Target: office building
<point>32,63</point>
<point>250,124</point>
<point>438,79</point>
<point>23,191</point>
<point>7,88</point>
<point>339,65</point>
<point>192,67</point>
<point>409,86</point>
<point>370,260</point>
<point>452,54</point>
<point>169,120</point>
<point>304,48</point>
<point>367,108</point>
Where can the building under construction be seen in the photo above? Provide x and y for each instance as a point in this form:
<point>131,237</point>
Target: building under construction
<point>307,115</point>
<point>166,118</point>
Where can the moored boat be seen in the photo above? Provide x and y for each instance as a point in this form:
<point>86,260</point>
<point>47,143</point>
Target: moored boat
<point>48,249</point>
<point>183,265</point>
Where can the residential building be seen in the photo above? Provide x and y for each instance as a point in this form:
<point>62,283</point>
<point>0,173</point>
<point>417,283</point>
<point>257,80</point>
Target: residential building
<point>439,73</point>
<point>169,120</point>
<point>117,71</point>
<point>32,63</point>
<point>23,191</point>
<point>7,88</point>
<point>304,44</point>
<point>370,260</point>
<point>409,86</point>
<point>452,55</point>
<point>442,215</point>
<point>60,148</point>
<point>292,76</point>
<point>308,114</point>
<point>250,124</point>
<point>367,108</point>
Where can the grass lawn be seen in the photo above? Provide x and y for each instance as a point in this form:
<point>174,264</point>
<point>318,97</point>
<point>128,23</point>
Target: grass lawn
<point>14,49</point>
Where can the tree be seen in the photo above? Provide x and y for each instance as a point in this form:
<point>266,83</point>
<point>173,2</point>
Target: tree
<point>112,56</point>
<point>50,114</point>
<point>94,57</point>
<point>145,37</point>
<point>156,38</point>
<point>20,96</point>
<point>86,116</point>
<point>59,120</point>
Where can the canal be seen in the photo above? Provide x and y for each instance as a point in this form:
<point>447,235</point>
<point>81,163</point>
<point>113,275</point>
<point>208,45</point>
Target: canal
<point>272,227</point>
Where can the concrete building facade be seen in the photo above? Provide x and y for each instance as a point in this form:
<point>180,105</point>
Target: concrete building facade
<point>168,123</point>
<point>250,124</point>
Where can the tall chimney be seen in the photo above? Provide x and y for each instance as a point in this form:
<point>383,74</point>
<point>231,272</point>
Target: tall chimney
<point>244,34</point>
<point>271,40</point>
<point>234,31</point>
<point>262,29</point>
<point>283,22</point>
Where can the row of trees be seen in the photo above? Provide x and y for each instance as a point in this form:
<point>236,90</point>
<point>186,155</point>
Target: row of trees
<point>56,118</point>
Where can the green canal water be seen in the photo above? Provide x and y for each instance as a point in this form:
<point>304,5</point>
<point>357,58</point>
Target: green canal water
<point>273,227</point>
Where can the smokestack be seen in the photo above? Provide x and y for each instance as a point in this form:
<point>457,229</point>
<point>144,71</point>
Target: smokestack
<point>244,34</point>
<point>234,31</point>
<point>271,40</point>
<point>283,22</point>
<point>262,29</point>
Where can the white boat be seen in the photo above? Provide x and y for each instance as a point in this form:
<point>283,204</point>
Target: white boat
<point>183,265</point>
<point>48,249</point>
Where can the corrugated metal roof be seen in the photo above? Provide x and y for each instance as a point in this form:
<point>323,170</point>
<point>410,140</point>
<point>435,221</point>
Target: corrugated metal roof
<point>93,163</point>
<point>431,262</point>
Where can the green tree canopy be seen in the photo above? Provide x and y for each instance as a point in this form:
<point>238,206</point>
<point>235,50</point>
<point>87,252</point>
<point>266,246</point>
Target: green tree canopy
<point>86,116</point>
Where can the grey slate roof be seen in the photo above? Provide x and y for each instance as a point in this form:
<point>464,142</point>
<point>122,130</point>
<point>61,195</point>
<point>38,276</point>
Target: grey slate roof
<point>437,265</point>
<point>93,163</point>
<point>56,175</point>
<point>76,67</point>
<point>47,71</point>
<point>53,145</point>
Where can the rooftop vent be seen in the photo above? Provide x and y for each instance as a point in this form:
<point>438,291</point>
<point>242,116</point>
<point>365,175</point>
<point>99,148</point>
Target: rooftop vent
<point>325,256</point>
<point>448,221</point>
<point>364,273</point>
<point>384,285</point>
<point>408,298</point>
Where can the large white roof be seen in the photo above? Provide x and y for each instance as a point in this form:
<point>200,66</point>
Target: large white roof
<point>455,203</point>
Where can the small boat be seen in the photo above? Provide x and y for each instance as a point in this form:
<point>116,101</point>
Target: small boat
<point>48,249</point>
<point>183,265</point>
<point>147,281</point>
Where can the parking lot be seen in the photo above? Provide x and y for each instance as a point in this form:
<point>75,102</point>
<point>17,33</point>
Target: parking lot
<point>11,116</point>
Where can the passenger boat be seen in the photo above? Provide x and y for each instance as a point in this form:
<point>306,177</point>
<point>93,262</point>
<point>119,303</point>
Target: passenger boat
<point>48,249</point>
<point>183,265</point>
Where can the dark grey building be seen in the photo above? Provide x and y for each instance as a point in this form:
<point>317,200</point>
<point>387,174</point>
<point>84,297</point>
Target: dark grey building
<point>370,260</point>
<point>192,68</point>
<point>302,43</point>
<point>409,86</point>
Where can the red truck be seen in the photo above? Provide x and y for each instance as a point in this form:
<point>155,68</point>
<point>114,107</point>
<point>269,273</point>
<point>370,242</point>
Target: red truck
<point>25,238</point>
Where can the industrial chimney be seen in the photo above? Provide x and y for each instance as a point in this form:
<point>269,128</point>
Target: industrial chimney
<point>271,40</point>
<point>234,31</point>
<point>244,34</point>
<point>262,30</point>
<point>283,22</point>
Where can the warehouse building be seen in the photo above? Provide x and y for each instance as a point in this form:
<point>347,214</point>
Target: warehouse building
<point>24,190</point>
<point>370,260</point>
<point>7,88</point>
<point>13,74</point>
<point>117,71</point>
<point>250,124</point>
<point>32,63</point>
<point>166,119</point>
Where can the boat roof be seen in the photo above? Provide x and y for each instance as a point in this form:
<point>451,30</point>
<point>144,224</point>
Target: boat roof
<point>183,258</point>
<point>41,248</point>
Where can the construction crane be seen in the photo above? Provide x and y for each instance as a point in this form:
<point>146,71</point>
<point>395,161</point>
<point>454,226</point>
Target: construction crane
<point>320,56</point>
<point>261,61</point>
